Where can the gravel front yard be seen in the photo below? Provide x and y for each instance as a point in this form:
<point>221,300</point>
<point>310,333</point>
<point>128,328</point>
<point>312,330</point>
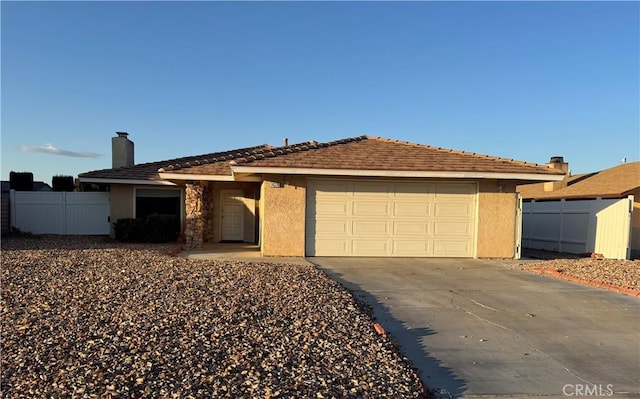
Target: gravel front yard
<point>85,317</point>
<point>617,273</point>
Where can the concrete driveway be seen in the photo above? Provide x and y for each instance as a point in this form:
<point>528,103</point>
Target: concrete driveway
<point>477,328</point>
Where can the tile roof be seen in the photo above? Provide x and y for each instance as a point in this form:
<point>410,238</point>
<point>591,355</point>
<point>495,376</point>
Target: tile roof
<point>357,153</point>
<point>219,162</point>
<point>374,153</point>
<point>614,182</point>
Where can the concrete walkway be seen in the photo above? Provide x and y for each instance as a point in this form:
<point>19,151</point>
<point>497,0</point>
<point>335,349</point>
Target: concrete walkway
<point>239,252</point>
<point>478,328</point>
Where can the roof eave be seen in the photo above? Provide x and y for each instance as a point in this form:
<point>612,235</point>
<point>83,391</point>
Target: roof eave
<point>577,197</point>
<point>205,177</point>
<point>396,173</point>
<point>100,180</point>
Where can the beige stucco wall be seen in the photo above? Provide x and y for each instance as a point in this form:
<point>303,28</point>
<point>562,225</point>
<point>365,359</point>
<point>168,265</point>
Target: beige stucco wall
<point>496,219</point>
<point>121,203</point>
<point>283,215</point>
<point>249,192</point>
<point>121,197</point>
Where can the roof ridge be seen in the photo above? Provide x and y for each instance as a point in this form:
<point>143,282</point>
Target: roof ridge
<point>461,152</point>
<point>294,148</point>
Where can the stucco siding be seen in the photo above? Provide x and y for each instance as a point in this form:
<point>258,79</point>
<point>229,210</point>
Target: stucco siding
<point>121,197</point>
<point>283,215</point>
<point>121,203</point>
<point>496,219</point>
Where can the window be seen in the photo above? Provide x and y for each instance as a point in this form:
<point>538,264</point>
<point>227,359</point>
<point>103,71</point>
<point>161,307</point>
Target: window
<point>150,201</point>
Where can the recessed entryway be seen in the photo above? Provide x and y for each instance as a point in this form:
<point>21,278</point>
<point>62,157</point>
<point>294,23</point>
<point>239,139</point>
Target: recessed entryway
<point>231,215</point>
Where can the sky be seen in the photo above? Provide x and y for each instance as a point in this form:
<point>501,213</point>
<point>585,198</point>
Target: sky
<point>521,80</point>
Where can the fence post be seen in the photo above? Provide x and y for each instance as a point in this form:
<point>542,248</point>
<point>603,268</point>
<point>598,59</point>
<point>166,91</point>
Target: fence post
<point>12,209</point>
<point>64,213</point>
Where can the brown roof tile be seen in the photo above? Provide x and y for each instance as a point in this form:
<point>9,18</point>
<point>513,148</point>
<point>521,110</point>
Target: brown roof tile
<point>218,163</point>
<point>613,182</point>
<point>356,153</point>
<point>375,153</point>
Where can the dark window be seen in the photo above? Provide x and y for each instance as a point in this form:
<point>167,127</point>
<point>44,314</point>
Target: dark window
<point>163,202</point>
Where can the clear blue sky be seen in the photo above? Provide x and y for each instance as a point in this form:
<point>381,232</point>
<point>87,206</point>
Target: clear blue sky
<point>523,80</point>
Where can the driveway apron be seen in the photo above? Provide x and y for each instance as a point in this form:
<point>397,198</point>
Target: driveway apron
<point>478,328</point>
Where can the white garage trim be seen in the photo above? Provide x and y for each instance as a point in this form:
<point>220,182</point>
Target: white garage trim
<point>395,173</point>
<point>349,217</point>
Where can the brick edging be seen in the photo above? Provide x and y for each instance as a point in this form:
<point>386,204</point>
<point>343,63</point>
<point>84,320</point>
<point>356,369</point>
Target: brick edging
<point>592,283</point>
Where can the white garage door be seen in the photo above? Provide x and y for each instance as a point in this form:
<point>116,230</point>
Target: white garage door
<point>384,218</point>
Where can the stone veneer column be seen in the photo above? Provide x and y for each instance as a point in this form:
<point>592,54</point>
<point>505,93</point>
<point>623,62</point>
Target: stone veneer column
<point>207,211</point>
<point>194,227</point>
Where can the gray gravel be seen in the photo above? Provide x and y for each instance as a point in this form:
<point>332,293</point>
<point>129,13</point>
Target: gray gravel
<point>88,318</point>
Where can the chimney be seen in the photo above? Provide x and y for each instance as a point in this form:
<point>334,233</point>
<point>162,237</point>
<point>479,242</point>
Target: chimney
<point>121,150</point>
<point>286,141</point>
<point>559,164</point>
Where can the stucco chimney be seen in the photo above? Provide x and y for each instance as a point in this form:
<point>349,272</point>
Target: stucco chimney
<point>557,163</point>
<point>121,150</point>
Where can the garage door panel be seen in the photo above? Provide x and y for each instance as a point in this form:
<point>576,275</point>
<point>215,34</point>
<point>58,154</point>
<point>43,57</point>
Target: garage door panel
<point>451,228</point>
<point>411,209</point>
<point>328,226</point>
<point>370,247</point>
<point>371,209</point>
<point>331,246</point>
<point>410,247</point>
<point>410,228</point>
<point>453,209</point>
<point>390,218</point>
<point>370,228</point>
<point>448,248</point>
<point>332,208</point>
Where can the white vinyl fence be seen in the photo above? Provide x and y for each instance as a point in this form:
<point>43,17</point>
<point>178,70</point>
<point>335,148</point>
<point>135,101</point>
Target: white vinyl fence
<point>579,226</point>
<point>84,213</point>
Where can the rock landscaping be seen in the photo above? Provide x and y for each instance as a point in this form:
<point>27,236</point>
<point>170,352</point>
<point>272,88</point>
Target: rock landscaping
<point>618,275</point>
<point>90,318</point>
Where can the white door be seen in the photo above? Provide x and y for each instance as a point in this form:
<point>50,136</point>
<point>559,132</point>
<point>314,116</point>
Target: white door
<point>232,215</point>
<point>390,218</point>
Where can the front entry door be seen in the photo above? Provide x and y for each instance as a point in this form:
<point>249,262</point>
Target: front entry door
<point>232,215</point>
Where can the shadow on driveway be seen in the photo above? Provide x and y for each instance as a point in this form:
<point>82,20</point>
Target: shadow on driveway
<point>409,340</point>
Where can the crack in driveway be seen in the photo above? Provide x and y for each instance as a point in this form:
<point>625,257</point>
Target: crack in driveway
<point>518,336</point>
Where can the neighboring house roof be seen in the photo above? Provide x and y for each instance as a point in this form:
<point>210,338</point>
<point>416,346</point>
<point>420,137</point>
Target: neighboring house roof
<point>615,182</point>
<point>358,153</point>
<point>37,186</point>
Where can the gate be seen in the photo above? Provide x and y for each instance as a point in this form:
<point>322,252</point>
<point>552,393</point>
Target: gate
<point>579,226</point>
<point>66,213</point>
